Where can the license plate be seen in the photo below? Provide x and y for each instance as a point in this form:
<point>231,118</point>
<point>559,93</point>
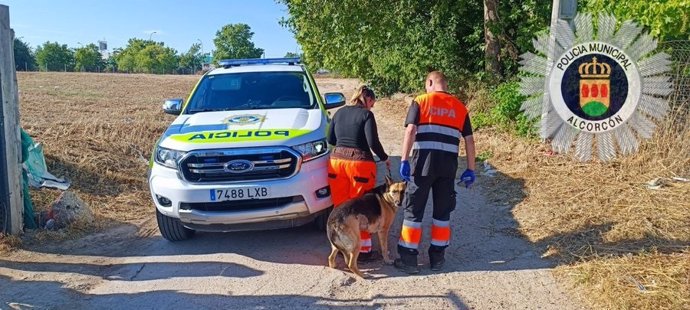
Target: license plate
<point>242,193</point>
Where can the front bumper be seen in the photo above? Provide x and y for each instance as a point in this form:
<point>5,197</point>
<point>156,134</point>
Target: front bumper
<point>302,187</point>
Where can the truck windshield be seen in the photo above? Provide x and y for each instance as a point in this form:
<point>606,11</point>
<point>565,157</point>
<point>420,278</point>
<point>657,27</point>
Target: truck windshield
<point>252,90</point>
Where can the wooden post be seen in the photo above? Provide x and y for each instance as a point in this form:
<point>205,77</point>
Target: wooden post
<point>10,141</point>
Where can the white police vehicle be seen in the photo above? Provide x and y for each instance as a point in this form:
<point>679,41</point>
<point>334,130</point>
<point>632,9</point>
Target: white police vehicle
<point>248,151</point>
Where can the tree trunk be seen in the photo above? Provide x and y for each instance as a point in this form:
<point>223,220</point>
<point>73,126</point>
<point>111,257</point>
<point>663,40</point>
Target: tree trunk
<point>492,50</point>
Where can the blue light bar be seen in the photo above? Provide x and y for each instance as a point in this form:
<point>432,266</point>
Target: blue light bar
<point>258,61</point>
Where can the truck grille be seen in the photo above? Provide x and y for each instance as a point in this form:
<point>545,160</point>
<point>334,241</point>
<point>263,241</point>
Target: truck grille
<point>239,165</point>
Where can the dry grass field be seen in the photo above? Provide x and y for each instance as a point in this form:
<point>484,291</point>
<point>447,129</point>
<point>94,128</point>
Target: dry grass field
<point>623,245</point>
<point>98,131</point>
<point>626,246</point>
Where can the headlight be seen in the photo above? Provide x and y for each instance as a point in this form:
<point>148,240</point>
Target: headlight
<point>312,150</point>
<point>168,157</point>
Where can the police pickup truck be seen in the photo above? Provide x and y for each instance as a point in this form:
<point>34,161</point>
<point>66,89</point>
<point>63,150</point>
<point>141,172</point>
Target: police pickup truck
<point>247,151</point>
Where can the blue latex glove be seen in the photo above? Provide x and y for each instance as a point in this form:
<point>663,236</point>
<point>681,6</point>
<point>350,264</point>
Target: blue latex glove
<point>405,170</point>
<point>468,177</point>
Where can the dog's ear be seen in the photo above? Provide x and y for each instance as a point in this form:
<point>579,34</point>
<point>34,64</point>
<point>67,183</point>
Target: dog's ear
<point>389,181</point>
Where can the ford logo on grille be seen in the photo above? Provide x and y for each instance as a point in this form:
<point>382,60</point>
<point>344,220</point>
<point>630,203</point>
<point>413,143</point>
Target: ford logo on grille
<point>239,166</point>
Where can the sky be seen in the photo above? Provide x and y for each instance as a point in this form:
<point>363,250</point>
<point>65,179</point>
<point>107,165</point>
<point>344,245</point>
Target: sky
<point>178,24</point>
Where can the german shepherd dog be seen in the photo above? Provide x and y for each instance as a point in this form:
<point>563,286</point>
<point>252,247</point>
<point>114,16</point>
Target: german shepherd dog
<point>373,212</point>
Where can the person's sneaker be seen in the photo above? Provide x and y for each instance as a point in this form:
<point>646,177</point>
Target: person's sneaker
<point>398,263</point>
<point>369,257</point>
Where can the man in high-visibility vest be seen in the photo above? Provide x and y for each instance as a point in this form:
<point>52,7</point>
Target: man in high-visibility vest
<point>435,123</point>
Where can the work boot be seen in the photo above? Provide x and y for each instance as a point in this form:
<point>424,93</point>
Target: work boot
<point>436,257</point>
<point>407,261</point>
<point>369,257</point>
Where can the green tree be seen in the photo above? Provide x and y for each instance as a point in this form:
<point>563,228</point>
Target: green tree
<point>518,24</point>
<point>146,56</point>
<point>52,56</point>
<point>88,58</point>
<point>125,57</point>
<point>235,41</point>
<point>393,49</point>
<point>156,58</point>
<point>667,20</point>
<point>292,55</point>
<point>166,59</point>
<point>191,60</point>
<point>24,58</point>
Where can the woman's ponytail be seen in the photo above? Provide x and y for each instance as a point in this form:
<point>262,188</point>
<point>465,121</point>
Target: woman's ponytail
<point>358,98</point>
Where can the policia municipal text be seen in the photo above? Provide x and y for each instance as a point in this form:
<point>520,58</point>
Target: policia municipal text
<point>352,169</point>
<point>435,123</point>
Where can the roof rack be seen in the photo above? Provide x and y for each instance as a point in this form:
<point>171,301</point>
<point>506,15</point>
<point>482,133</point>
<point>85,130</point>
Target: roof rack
<point>227,63</point>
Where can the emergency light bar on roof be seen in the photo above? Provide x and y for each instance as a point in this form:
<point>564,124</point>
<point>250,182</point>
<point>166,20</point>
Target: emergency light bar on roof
<point>226,63</point>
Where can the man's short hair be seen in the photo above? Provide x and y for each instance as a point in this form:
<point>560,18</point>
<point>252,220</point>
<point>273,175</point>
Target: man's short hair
<point>437,77</point>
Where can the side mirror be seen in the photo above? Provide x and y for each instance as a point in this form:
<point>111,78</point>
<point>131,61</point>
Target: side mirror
<point>334,100</point>
<point>173,106</point>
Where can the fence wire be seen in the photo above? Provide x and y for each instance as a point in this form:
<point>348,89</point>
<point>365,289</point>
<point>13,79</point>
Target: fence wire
<point>680,74</point>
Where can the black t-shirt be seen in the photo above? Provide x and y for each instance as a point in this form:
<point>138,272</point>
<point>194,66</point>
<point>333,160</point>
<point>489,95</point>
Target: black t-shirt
<point>354,126</point>
<point>433,162</point>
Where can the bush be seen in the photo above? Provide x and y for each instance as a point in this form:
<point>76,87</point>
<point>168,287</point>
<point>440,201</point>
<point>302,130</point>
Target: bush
<point>525,127</point>
<point>508,101</point>
<point>480,120</point>
<point>504,112</point>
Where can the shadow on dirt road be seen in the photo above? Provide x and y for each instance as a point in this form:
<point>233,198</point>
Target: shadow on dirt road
<point>73,299</point>
<point>489,265</point>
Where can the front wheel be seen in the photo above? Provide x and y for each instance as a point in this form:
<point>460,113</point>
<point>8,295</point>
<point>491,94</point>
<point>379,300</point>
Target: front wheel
<point>172,229</point>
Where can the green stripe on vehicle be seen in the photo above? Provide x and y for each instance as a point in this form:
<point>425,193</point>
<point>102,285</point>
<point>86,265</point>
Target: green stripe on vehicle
<point>229,136</point>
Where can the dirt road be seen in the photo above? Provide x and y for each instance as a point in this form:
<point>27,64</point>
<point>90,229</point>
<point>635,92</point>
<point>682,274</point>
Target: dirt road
<point>489,266</point>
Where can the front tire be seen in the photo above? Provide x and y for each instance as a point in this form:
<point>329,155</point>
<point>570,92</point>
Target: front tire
<point>172,229</point>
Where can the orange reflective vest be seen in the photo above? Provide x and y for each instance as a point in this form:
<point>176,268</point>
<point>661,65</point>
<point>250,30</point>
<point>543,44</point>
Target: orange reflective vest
<point>441,119</point>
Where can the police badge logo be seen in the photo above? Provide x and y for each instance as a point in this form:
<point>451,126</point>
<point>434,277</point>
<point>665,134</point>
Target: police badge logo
<point>245,119</point>
<point>599,90</point>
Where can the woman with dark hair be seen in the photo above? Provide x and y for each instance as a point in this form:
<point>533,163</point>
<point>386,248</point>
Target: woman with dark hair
<point>352,169</point>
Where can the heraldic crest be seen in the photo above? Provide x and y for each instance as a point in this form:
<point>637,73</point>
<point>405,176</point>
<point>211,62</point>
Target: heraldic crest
<point>602,89</point>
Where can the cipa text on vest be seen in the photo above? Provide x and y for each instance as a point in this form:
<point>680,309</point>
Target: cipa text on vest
<point>442,112</point>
